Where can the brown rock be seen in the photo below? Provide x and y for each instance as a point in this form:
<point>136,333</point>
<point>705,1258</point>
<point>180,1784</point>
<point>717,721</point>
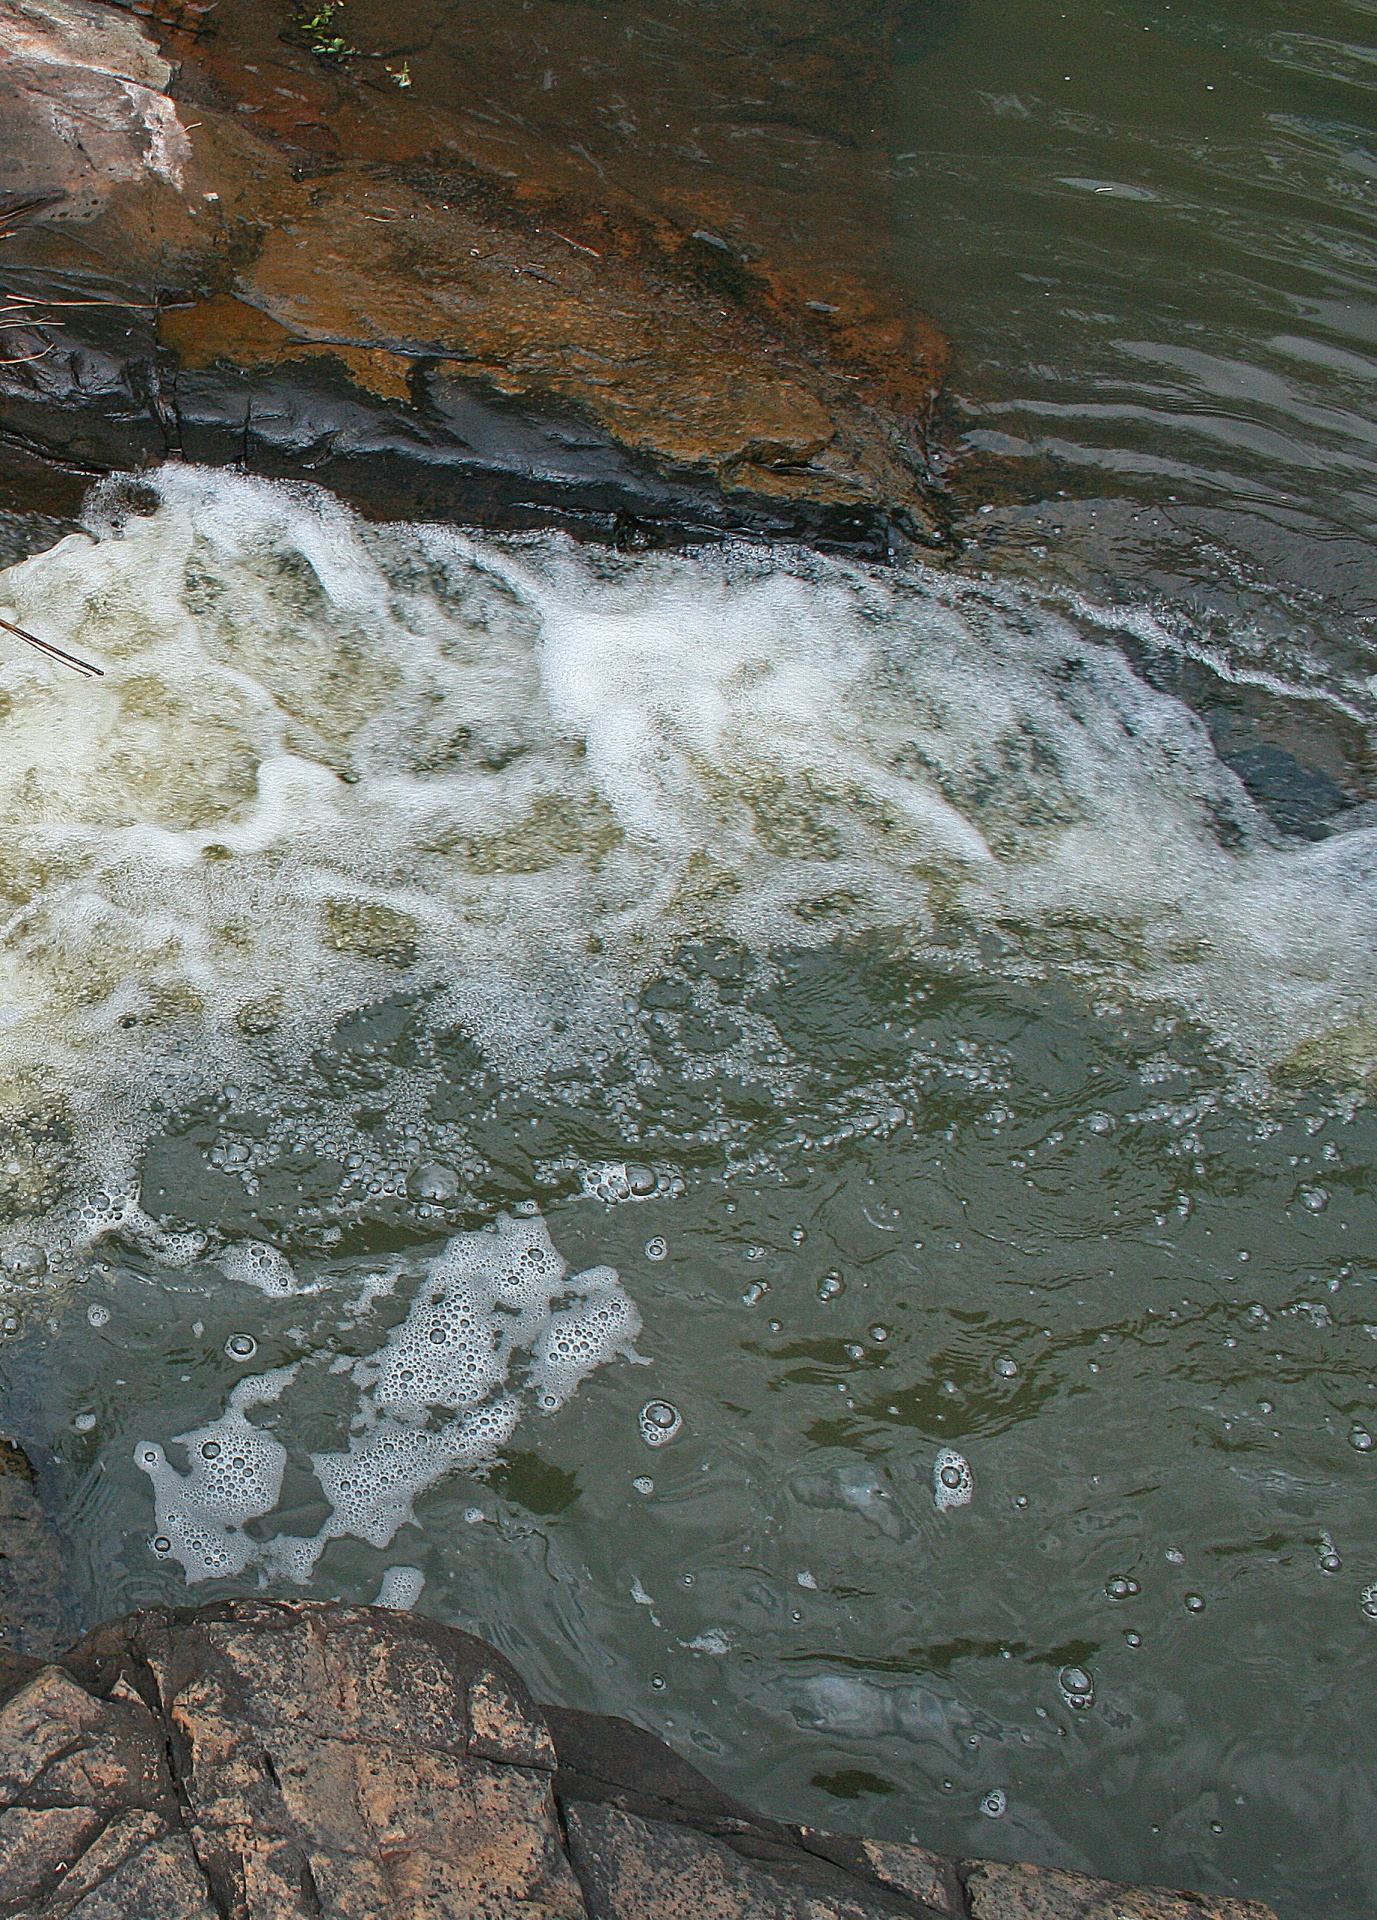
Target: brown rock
<point>248,224</point>
<point>929,1877</point>
<point>998,1892</point>
<point>352,1761</point>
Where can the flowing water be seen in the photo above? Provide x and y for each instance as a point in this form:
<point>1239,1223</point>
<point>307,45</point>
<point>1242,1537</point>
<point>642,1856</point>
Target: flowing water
<point>793,1140</point>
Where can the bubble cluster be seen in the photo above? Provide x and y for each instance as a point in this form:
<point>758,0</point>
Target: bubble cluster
<point>659,1423</point>
<point>1077,1688</point>
<point>953,1483</point>
<point>496,1323</point>
<point>582,1337</point>
<point>235,1475</point>
<point>255,1264</point>
<point>401,1588</point>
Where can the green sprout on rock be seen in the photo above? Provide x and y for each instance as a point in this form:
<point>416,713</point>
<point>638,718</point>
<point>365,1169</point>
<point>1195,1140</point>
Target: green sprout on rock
<point>315,25</point>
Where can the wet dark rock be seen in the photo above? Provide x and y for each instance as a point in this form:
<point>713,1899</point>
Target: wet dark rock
<point>35,1619</point>
<point>271,1761</point>
<point>259,257</point>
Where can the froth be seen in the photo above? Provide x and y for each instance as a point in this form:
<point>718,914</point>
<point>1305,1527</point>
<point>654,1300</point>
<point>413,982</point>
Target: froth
<point>497,1323</point>
<point>330,761</point>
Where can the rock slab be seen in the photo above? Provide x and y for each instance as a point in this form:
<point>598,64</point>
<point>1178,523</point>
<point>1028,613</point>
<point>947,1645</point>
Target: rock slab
<point>263,1761</point>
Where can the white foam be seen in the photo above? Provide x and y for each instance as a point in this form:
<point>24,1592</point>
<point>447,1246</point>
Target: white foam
<point>255,1264</point>
<point>235,1476</point>
<point>330,761</point>
<point>401,1588</point>
<point>497,1323</point>
<point>953,1483</point>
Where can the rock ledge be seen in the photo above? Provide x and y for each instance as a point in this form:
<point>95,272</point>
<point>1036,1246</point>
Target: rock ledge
<point>264,1761</point>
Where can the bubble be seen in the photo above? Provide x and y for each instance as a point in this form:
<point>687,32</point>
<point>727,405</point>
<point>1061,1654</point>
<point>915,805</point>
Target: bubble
<point>952,1480</point>
<point>1121,1587</point>
<point>831,1287</point>
<point>161,1544</point>
<point>657,1680</point>
<point>659,1422</point>
<point>23,1260</point>
<point>656,1247</point>
<point>755,1293</point>
<point>879,1334</point>
<point>1369,1601</point>
<point>434,1182</point>
<point>994,1803</point>
<point>241,1346</point>
<point>1360,1439</point>
<point>98,1314</point>
<point>84,1422</point>
<point>401,1588</point>
<point>1077,1688</point>
<point>1133,1639</point>
<point>640,1181</point>
<point>254,1263</point>
<point>643,1483</point>
<point>1006,1369</point>
<point>1195,1603</point>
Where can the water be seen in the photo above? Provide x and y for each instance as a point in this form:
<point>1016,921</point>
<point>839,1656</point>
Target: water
<point>937,1008</point>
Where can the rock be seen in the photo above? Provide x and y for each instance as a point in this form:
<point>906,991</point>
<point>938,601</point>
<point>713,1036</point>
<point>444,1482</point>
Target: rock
<point>603,1759</point>
<point>998,1892</point>
<point>254,255</point>
<point>35,1618</point>
<point>271,1761</point>
<point>254,1760</point>
<point>634,1869</point>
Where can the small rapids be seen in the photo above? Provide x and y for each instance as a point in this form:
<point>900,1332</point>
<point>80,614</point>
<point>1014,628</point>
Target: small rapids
<point>332,764</point>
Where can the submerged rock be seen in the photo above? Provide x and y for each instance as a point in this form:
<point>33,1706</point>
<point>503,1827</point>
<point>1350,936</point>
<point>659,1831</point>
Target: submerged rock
<point>34,1614</point>
<point>312,1759</point>
<point>257,255</point>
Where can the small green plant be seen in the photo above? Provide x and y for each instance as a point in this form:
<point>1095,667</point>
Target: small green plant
<point>315,25</point>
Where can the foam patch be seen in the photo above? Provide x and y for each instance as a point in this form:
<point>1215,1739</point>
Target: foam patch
<point>497,1323</point>
<point>235,1476</point>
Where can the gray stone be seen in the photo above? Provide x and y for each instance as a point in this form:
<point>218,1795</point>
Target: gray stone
<point>634,1869</point>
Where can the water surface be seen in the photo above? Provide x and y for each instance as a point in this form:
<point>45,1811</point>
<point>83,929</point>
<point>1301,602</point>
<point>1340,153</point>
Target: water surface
<point>937,1006</point>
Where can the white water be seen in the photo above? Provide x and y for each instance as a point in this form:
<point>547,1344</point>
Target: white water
<point>330,761</point>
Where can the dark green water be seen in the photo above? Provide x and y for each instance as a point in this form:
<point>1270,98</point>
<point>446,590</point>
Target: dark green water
<point>949,1006</point>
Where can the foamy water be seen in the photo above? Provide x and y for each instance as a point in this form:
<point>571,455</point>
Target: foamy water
<point>330,762</point>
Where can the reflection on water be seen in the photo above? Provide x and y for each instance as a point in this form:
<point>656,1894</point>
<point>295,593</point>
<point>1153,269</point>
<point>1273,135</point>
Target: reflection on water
<point>1151,228</point>
<point>939,1006</point>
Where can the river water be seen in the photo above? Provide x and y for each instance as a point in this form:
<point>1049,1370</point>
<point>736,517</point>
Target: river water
<point>794,1139</point>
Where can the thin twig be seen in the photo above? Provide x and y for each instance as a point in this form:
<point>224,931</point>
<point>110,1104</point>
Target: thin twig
<point>46,646</point>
